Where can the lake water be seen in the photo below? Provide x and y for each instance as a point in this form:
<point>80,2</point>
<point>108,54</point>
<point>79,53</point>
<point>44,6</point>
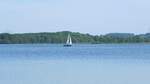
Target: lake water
<point>80,64</point>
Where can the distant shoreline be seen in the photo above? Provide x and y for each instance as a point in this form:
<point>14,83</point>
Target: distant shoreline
<point>77,38</point>
<point>80,44</point>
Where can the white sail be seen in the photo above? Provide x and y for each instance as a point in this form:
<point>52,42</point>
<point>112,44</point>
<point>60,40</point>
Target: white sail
<point>69,41</point>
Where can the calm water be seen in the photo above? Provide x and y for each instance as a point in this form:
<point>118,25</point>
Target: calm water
<point>80,64</point>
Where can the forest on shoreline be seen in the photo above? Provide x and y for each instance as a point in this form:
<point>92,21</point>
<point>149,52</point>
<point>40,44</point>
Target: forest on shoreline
<point>60,37</point>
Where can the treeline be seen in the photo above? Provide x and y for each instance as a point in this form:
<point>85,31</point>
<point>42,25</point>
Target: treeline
<point>60,37</point>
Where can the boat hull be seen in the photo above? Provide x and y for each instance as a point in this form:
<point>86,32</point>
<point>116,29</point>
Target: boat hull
<point>67,45</point>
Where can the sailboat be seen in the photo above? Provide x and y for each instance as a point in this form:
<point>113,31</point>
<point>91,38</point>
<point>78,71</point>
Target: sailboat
<point>68,42</point>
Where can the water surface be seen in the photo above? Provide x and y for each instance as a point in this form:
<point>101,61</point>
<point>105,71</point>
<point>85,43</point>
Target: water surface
<point>80,64</point>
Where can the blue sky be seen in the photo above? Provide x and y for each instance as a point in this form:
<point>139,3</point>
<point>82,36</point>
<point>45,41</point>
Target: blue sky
<point>86,16</point>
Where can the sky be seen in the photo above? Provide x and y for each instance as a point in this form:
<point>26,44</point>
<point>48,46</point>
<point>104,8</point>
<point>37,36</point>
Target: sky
<point>85,16</point>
